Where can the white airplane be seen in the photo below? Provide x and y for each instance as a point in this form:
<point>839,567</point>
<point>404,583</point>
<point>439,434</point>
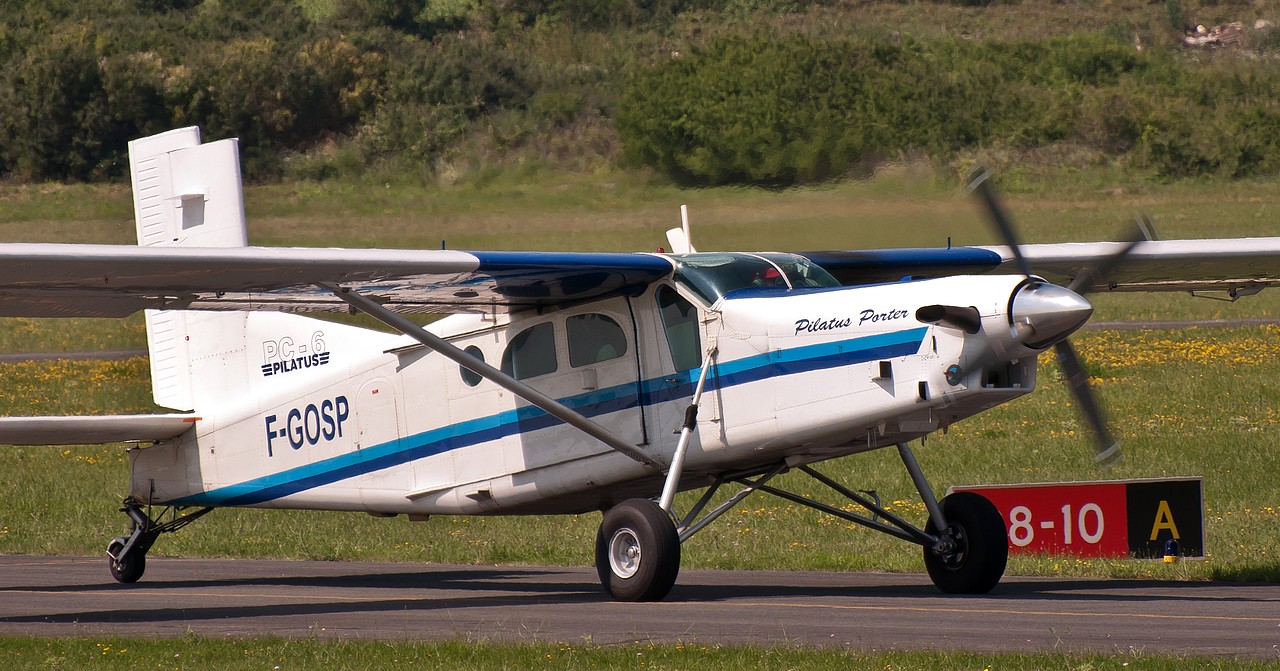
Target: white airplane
<point>564,382</point>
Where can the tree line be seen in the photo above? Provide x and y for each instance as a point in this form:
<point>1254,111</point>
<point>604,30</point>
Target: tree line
<point>315,88</point>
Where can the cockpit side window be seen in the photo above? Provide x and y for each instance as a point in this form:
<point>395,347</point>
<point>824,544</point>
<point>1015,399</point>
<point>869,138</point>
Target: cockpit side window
<point>680,320</point>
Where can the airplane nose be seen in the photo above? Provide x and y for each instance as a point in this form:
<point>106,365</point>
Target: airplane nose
<point>1052,312</point>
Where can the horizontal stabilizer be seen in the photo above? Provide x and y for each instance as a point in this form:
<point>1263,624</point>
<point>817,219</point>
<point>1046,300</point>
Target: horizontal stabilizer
<point>93,430</point>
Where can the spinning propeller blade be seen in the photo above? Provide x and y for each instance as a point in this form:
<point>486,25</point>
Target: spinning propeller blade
<point>980,185</point>
<point>1078,382</point>
<point>1073,367</point>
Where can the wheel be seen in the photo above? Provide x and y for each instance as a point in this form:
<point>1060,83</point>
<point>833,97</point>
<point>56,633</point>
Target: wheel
<point>980,546</point>
<point>637,551</point>
<point>126,567</point>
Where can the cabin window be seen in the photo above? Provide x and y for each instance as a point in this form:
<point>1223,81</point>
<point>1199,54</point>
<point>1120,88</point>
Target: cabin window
<point>801,272</point>
<point>594,338</point>
<point>713,276</point>
<point>470,377</point>
<point>531,353</point>
<point>680,320</point>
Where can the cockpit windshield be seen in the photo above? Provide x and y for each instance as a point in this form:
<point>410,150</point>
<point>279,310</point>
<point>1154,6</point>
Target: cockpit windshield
<point>713,275</point>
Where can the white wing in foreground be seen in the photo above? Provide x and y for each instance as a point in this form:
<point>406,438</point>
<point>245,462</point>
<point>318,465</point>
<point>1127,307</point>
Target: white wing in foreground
<point>58,280</point>
<point>1235,265</point>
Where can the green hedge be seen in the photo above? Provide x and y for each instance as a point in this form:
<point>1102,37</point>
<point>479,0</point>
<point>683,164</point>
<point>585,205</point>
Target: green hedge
<point>410,82</point>
<point>771,108</point>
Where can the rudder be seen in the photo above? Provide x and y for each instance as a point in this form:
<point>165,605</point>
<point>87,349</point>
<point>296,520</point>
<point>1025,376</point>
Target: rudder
<point>184,194</point>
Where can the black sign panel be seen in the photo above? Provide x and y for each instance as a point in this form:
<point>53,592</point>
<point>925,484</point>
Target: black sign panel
<point>1164,510</point>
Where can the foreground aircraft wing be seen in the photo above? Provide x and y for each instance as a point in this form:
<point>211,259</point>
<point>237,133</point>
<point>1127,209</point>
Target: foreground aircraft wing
<point>88,430</point>
<point>1237,266</point>
<point>59,280</point>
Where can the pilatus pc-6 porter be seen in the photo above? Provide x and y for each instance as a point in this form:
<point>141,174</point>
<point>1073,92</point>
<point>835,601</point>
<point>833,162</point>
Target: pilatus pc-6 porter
<point>565,382</point>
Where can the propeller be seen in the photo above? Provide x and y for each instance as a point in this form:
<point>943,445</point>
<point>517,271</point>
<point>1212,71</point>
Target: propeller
<point>1108,448</point>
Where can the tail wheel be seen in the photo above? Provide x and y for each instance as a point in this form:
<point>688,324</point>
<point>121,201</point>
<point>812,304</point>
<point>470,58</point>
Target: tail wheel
<point>979,546</point>
<point>637,551</point>
<point>126,567</point>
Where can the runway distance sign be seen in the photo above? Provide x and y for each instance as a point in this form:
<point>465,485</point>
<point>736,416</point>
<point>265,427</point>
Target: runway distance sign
<point>1119,518</point>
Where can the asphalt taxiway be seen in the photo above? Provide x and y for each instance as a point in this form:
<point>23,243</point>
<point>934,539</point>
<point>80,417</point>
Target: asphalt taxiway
<point>55,596</point>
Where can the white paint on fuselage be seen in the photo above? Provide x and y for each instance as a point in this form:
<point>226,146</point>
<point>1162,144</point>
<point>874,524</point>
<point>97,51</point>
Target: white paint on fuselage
<point>391,427</point>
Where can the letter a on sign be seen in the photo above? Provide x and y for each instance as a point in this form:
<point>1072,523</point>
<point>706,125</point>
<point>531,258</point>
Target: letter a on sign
<point>1164,520</point>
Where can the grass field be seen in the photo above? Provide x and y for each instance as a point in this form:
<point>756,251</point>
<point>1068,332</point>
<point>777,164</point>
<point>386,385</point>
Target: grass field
<point>108,654</point>
<point>1189,402</point>
<point>1215,416</point>
<point>1197,402</point>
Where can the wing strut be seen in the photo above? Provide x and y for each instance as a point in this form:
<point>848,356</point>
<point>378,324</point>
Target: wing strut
<point>546,403</point>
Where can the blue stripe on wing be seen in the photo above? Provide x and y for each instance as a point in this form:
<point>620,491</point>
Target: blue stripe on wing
<point>521,279</point>
<point>873,266</point>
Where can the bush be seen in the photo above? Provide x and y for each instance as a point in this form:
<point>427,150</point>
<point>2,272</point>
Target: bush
<point>436,90</point>
<point>728,93</point>
<point>774,109</point>
<point>769,108</point>
<point>56,109</point>
<point>78,94</point>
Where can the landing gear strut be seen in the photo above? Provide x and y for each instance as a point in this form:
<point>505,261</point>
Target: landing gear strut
<point>965,542</point>
<point>127,555</point>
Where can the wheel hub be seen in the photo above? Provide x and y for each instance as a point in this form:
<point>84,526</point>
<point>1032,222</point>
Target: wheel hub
<point>624,553</point>
<point>956,546</point>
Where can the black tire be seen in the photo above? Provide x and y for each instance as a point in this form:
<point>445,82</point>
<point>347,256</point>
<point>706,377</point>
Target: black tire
<point>126,568</point>
<point>981,541</point>
<point>637,551</point>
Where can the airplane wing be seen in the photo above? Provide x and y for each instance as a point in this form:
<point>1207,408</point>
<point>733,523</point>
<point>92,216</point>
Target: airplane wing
<point>91,430</point>
<point>1237,265</point>
<point>59,280</point>
<point>1232,265</point>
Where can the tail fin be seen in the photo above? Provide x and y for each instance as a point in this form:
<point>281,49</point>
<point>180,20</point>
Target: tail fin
<point>189,194</point>
<point>184,194</point>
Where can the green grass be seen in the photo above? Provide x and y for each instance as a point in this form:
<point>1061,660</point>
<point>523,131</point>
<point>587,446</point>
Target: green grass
<point>26,334</point>
<point>908,204</point>
<point>1195,402</point>
<point>193,652</point>
<point>1211,416</point>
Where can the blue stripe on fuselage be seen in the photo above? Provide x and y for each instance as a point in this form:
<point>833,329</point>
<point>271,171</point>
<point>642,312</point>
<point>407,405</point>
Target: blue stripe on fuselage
<point>526,419</point>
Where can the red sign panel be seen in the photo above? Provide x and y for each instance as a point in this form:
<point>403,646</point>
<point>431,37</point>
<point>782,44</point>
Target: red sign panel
<point>1082,520</point>
<point>1129,518</point>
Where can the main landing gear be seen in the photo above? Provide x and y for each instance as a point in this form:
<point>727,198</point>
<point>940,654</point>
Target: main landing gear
<point>127,555</point>
<point>973,548</point>
<point>637,551</point>
<point>964,541</point>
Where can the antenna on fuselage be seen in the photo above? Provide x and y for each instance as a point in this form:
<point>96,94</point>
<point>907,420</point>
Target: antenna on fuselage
<point>678,238</point>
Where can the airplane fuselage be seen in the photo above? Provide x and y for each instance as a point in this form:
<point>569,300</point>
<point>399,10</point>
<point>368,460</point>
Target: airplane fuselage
<point>349,419</point>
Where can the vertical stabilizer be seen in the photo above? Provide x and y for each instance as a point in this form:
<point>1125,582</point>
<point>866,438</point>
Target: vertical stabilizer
<point>184,194</point>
